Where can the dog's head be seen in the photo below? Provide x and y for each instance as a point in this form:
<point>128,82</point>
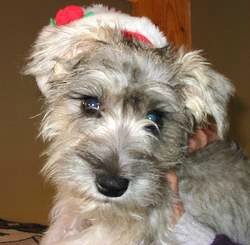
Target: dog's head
<point>119,111</point>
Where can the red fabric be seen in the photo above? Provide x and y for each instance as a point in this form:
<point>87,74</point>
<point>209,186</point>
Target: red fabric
<point>136,35</point>
<point>69,14</point>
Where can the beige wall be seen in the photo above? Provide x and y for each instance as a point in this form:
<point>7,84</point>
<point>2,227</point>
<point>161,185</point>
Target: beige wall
<point>219,28</point>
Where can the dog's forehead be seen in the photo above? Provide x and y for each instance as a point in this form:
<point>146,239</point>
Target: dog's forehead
<point>137,77</point>
<point>122,69</point>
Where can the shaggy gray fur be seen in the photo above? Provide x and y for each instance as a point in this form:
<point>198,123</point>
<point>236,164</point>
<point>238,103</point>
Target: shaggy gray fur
<point>215,188</point>
<point>131,79</point>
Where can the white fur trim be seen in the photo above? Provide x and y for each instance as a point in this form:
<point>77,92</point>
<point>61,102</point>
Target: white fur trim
<point>110,18</point>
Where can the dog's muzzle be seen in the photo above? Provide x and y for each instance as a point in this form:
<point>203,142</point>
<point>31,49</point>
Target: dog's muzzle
<point>111,186</point>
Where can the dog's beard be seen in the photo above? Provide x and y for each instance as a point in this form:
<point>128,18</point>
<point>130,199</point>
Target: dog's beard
<point>76,172</point>
<point>125,149</point>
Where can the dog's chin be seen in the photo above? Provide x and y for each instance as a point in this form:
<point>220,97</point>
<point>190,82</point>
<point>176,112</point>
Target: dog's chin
<point>123,203</point>
<point>120,207</point>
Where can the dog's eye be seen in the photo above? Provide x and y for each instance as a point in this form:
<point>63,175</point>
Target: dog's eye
<point>156,117</point>
<point>91,104</point>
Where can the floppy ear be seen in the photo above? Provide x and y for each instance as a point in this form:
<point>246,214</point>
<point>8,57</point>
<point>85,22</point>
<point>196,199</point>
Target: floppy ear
<point>55,49</point>
<point>205,91</point>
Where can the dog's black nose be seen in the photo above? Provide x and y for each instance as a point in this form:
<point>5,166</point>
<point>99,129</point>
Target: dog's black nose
<point>111,186</point>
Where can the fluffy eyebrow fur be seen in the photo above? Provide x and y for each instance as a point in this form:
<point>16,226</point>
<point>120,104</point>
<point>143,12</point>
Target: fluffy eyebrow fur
<point>204,92</point>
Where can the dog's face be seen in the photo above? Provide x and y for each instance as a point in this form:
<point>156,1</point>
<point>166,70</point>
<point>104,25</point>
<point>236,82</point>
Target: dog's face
<point>117,123</point>
<point>119,114</point>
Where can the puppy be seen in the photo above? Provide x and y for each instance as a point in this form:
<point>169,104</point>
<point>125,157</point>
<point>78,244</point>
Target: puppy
<point>120,104</point>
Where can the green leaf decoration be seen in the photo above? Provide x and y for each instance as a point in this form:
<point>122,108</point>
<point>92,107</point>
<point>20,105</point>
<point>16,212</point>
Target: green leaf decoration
<point>52,22</point>
<point>88,14</point>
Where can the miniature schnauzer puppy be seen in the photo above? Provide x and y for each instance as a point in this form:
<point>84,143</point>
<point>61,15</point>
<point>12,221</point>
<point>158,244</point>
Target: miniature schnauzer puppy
<point>120,104</point>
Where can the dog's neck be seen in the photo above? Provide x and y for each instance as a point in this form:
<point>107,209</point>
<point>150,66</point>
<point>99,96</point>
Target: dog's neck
<point>94,223</point>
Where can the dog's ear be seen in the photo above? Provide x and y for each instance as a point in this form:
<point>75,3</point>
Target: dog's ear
<point>55,51</point>
<point>205,92</point>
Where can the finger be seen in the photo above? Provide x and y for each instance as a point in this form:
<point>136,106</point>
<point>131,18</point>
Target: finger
<point>173,181</point>
<point>198,140</point>
<point>211,134</point>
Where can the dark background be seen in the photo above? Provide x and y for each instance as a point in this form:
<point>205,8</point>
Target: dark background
<point>220,28</point>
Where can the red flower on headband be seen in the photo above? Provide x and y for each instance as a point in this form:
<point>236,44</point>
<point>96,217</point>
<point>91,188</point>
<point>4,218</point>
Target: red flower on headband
<point>68,14</point>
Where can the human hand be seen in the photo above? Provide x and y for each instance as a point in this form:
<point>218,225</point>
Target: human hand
<point>198,140</point>
<point>201,137</point>
<point>178,208</point>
